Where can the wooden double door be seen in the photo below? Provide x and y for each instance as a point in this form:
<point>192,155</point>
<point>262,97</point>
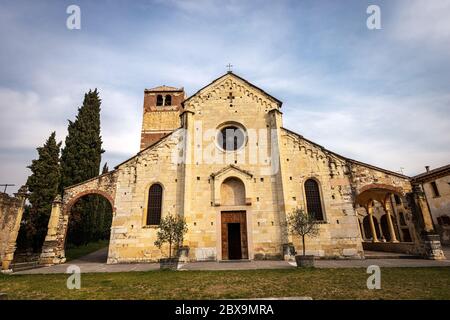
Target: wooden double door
<point>234,235</point>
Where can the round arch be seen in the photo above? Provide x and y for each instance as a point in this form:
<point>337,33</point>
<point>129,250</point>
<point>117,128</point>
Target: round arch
<point>232,192</point>
<point>80,195</point>
<point>98,225</point>
<point>377,192</point>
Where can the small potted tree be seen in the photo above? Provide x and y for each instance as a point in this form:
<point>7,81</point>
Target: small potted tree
<point>171,231</point>
<point>303,224</point>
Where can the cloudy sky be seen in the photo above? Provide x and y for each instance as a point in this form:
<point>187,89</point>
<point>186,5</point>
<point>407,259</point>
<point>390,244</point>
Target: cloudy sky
<point>378,96</point>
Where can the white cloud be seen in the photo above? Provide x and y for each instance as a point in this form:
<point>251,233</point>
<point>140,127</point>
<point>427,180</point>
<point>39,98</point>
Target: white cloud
<point>368,96</point>
<point>424,22</point>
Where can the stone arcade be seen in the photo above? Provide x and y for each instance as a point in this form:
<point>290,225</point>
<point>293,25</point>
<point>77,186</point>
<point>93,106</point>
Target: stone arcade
<point>235,192</point>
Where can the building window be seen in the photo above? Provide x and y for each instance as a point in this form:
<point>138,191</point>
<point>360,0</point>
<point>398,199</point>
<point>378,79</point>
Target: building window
<point>435,189</point>
<point>313,201</point>
<point>159,100</point>
<point>231,138</point>
<point>154,204</point>
<point>168,100</point>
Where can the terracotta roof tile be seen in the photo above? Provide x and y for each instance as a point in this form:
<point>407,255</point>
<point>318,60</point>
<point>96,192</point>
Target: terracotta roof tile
<point>164,88</point>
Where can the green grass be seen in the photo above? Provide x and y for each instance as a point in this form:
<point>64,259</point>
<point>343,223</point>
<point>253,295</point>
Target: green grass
<point>76,252</point>
<point>396,283</point>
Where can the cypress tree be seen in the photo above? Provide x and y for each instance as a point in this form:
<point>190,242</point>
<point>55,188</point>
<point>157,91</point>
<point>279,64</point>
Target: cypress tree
<point>80,161</point>
<point>43,184</point>
<point>81,155</point>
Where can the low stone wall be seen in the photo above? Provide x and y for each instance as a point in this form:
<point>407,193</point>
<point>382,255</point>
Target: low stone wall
<point>11,209</point>
<point>399,247</point>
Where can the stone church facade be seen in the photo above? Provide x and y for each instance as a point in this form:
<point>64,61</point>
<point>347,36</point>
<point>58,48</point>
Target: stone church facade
<point>222,159</point>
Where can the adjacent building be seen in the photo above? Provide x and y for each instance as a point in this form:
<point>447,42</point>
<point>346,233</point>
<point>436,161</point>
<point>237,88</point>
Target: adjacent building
<point>436,185</point>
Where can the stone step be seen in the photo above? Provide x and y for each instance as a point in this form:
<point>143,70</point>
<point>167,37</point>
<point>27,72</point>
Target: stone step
<point>231,261</point>
<point>392,256</point>
<point>19,266</point>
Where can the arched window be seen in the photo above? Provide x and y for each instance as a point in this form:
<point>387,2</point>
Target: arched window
<point>313,202</point>
<point>168,100</point>
<point>154,204</point>
<point>159,100</point>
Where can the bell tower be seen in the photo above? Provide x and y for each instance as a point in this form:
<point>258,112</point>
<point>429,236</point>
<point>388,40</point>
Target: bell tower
<point>162,107</point>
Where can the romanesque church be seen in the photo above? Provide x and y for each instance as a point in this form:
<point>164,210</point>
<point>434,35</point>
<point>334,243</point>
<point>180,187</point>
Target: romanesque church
<point>223,160</point>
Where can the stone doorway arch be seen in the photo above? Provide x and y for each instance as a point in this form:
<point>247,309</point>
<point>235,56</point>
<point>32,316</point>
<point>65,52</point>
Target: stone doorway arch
<point>53,250</point>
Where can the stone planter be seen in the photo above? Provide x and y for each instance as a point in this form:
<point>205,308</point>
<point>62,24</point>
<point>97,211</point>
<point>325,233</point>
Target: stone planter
<point>166,263</point>
<point>305,261</point>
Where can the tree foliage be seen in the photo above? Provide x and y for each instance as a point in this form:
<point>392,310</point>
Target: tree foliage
<point>302,224</point>
<point>43,186</point>
<point>81,155</point>
<point>90,217</point>
<point>172,229</point>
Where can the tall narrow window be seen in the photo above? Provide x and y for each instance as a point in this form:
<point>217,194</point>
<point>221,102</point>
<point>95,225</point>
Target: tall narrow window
<point>313,202</point>
<point>159,100</point>
<point>154,205</point>
<point>435,189</point>
<point>168,100</point>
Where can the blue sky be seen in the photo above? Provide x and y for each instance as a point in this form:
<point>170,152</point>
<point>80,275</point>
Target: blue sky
<point>378,96</point>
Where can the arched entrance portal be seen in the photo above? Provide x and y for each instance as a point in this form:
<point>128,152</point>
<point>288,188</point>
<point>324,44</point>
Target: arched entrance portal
<point>101,187</point>
<point>88,228</point>
<point>234,235</point>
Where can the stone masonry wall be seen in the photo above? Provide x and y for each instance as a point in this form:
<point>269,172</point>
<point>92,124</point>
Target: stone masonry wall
<point>339,233</point>
<point>11,209</point>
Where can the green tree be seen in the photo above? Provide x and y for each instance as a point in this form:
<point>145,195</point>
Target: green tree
<point>80,161</point>
<point>43,186</point>
<point>81,155</point>
<point>302,224</point>
<point>172,229</point>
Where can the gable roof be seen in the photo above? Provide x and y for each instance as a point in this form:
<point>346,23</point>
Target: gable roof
<point>230,167</point>
<point>432,174</point>
<point>147,148</point>
<point>163,88</point>
<point>239,78</point>
<point>349,159</point>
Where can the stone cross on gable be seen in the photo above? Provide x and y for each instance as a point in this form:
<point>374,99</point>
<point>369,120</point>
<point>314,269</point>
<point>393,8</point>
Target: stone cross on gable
<point>229,66</point>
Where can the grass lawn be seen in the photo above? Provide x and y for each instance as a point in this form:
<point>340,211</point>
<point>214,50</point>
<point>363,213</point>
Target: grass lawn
<point>396,283</point>
<point>76,252</point>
